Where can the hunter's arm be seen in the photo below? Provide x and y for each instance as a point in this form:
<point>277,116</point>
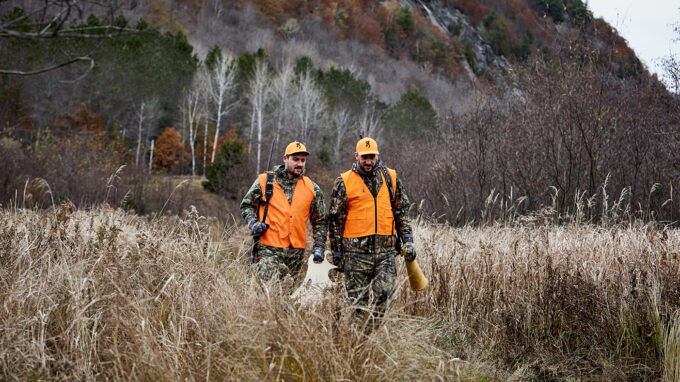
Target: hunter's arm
<point>402,206</point>
<point>318,217</point>
<point>251,202</point>
<point>337,213</point>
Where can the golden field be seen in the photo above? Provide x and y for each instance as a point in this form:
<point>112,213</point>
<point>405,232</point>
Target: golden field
<point>104,294</point>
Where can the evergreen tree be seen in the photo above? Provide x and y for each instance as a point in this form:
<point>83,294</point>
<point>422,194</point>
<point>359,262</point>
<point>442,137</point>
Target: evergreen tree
<point>413,115</point>
<point>406,21</point>
<point>220,174</point>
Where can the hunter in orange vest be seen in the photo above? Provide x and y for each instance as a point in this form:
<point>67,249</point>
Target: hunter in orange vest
<point>278,222</point>
<point>368,222</point>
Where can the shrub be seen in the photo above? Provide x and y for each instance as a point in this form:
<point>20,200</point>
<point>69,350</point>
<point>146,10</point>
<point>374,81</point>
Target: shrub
<point>221,177</point>
<point>413,114</point>
<point>169,155</point>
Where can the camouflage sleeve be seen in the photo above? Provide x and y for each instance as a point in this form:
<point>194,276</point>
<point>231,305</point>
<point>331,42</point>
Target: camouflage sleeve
<point>251,202</point>
<point>337,213</point>
<point>318,216</point>
<point>402,205</point>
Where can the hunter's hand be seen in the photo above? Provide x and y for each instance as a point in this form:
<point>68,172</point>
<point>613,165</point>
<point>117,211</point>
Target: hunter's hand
<point>409,252</point>
<point>258,228</point>
<point>338,261</point>
<point>318,255</point>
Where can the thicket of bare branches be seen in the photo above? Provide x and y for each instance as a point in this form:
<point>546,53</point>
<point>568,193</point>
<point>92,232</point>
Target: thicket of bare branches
<point>573,135</point>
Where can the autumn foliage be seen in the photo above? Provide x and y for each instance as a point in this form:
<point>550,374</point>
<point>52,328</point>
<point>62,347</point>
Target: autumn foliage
<point>387,24</point>
<point>82,119</point>
<point>230,135</point>
<point>169,154</point>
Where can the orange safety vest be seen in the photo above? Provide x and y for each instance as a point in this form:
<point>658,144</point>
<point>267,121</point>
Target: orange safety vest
<point>287,221</point>
<point>367,215</point>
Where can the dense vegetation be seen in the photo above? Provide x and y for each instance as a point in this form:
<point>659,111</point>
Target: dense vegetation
<point>110,295</point>
<point>571,116</point>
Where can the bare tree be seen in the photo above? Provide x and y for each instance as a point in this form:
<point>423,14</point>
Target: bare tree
<point>309,105</point>
<point>370,123</point>
<point>283,90</point>
<point>206,120</point>
<point>191,111</point>
<point>341,125</point>
<point>260,92</point>
<point>220,85</point>
<point>144,115</point>
<point>56,19</point>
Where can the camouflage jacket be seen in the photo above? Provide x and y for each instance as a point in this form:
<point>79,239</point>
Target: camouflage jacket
<point>337,215</point>
<point>317,212</point>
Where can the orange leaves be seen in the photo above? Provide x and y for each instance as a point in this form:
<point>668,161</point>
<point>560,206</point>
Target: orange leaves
<point>82,119</point>
<point>472,10</point>
<point>169,154</point>
<point>367,29</point>
<point>272,9</point>
<point>231,135</point>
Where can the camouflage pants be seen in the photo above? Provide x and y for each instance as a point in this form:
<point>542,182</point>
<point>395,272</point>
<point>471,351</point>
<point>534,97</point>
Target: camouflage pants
<point>370,279</point>
<point>277,263</point>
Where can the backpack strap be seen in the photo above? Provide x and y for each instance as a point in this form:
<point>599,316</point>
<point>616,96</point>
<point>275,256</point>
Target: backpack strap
<point>268,193</point>
<point>393,199</point>
<point>388,183</point>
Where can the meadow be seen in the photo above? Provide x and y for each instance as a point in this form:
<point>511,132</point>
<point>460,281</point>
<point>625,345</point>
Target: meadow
<point>103,294</point>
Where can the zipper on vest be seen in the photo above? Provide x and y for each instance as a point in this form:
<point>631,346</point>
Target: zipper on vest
<point>375,213</point>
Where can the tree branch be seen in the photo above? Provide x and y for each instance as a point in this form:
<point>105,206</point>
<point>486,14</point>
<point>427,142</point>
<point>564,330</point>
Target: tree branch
<point>74,32</point>
<point>52,67</point>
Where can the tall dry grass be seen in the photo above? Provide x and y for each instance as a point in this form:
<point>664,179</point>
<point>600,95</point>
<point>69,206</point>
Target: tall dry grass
<point>104,294</point>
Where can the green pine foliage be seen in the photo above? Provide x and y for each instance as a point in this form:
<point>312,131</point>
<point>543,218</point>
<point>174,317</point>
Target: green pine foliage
<point>220,175</point>
<point>344,90</point>
<point>470,57</point>
<point>213,56</point>
<point>303,65</point>
<point>576,10</point>
<point>413,115</point>
<point>128,68</point>
<point>406,21</point>
<point>552,8</point>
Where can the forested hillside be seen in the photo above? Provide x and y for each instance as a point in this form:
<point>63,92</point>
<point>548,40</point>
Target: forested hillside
<point>483,107</point>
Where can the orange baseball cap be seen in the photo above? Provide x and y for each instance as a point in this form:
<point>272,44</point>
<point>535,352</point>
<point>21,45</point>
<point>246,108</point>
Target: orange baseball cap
<point>296,148</point>
<point>367,146</point>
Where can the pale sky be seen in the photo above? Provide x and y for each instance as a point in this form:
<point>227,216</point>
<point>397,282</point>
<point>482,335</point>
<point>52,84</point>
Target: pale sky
<point>647,25</point>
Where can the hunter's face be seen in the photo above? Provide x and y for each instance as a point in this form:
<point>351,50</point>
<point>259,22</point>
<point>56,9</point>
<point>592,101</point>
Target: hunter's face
<point>295,164</point>
<point>367,161</point>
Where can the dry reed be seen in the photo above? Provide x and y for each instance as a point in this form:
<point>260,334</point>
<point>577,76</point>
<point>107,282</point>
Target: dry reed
<point>104,294</point>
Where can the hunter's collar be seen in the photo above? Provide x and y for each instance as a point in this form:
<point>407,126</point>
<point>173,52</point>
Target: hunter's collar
<point>357,168</point>
<point>282,174</point>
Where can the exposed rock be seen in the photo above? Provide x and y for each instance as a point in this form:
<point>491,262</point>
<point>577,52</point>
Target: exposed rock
<point>453,22</point>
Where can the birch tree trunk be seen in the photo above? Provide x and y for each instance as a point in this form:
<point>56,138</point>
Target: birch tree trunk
<point>220,85</point>
<point>205,145</point>
<point>140,122</point>
<point>153,142</point>
<point>260,90</point>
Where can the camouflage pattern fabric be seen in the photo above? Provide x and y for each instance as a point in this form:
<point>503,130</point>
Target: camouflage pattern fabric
<point>277,262</point>
<point>370,271</point>
<point>374,272</point>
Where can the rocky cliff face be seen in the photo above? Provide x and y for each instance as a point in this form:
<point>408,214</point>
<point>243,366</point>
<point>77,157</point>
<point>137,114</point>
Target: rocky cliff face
<point>453,22</point>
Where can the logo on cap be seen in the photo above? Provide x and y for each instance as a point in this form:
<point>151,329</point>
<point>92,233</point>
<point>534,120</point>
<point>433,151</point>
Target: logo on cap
<point>368,144</point>
<point>298,145</point>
